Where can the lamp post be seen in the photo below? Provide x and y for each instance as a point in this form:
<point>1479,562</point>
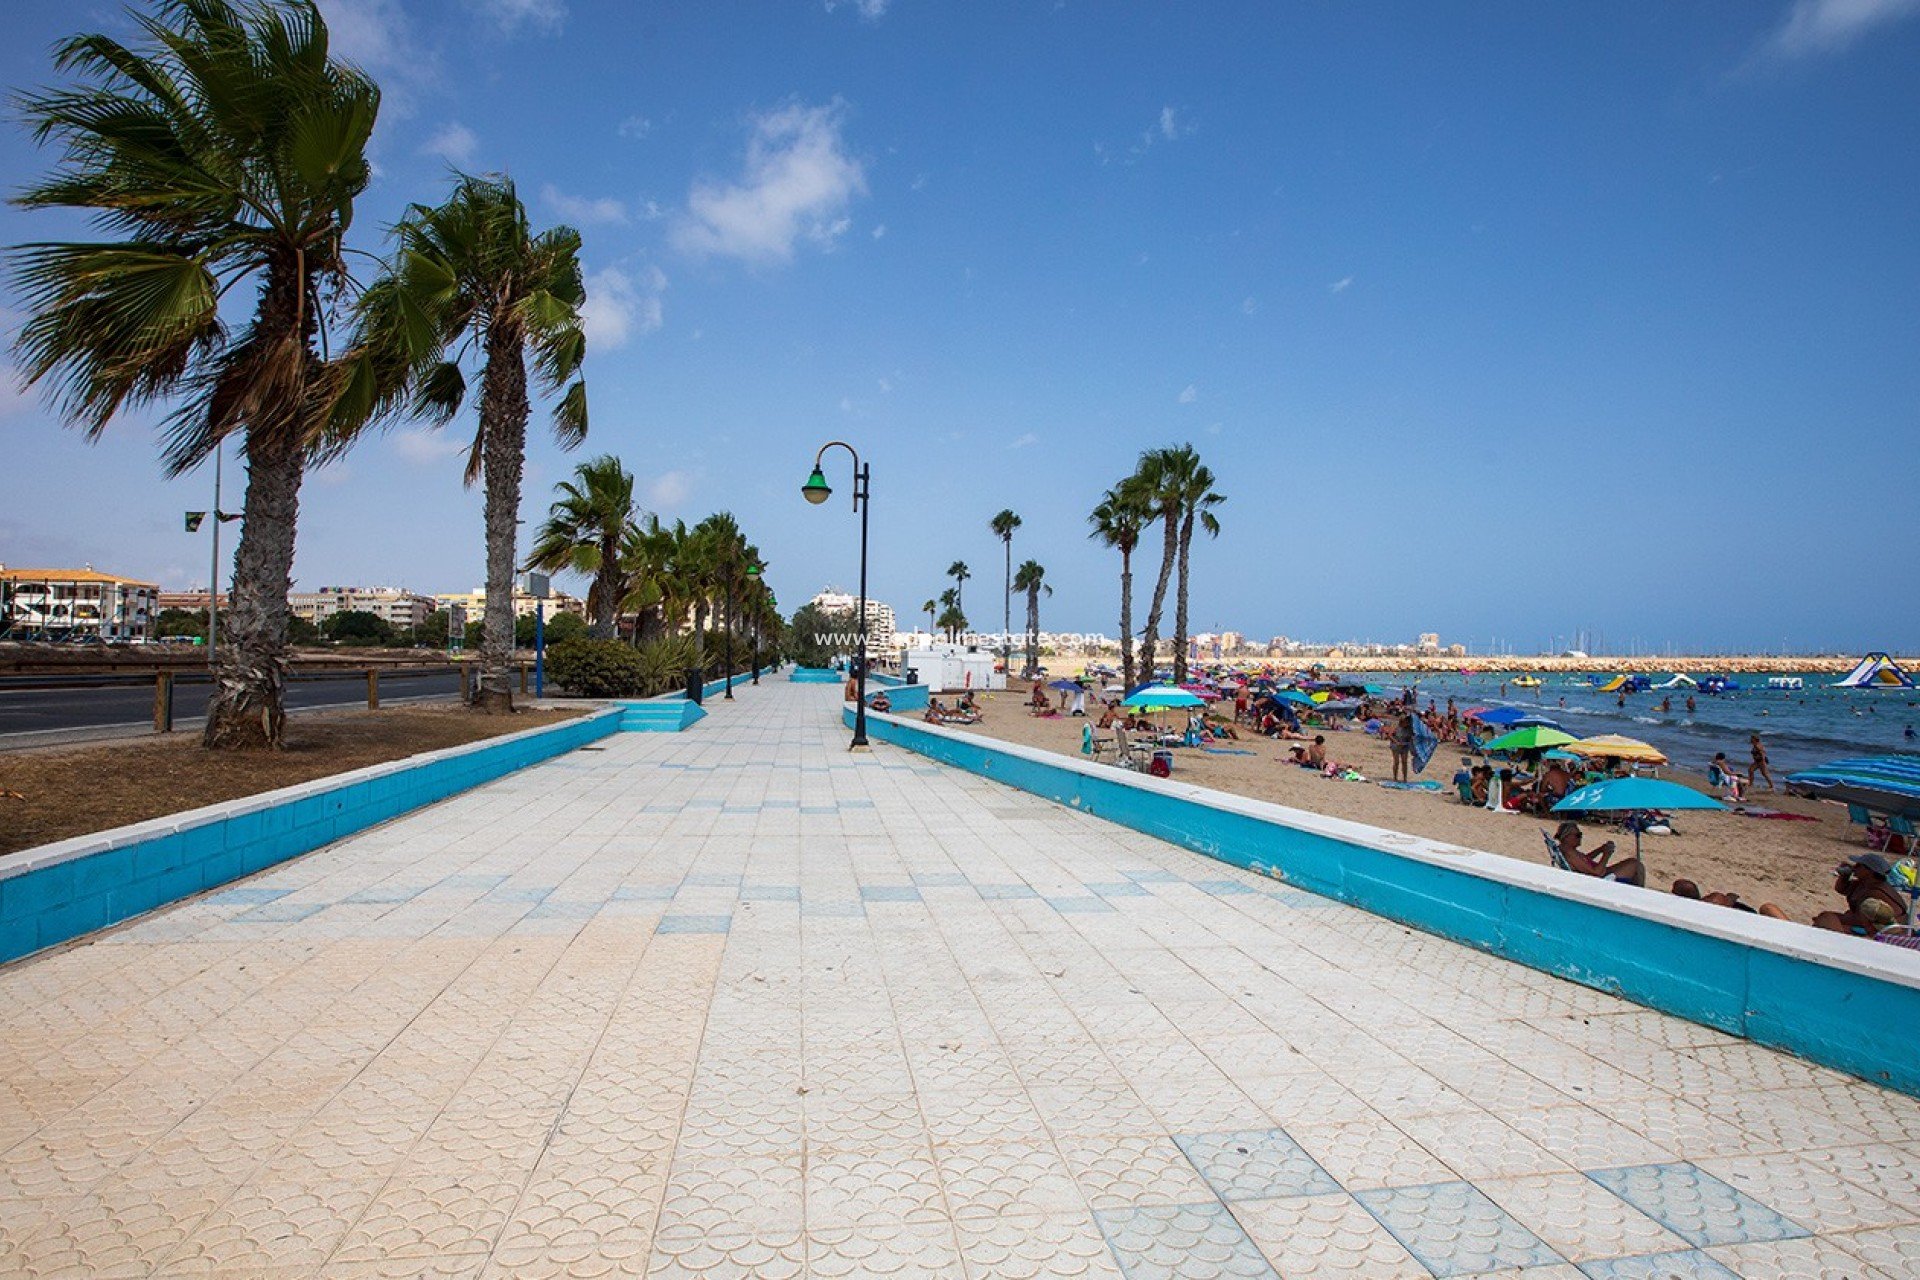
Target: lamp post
<point>729,606</point>
<point>817,491</point>
<point>753,580</point>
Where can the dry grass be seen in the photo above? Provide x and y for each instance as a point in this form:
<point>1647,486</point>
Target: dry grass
<point>73,791</point>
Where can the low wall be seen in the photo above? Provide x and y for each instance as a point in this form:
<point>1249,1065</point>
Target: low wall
<point>663,716</point>
<point>1845,1002</point>
<point>816,675</point>
<point>59,891</point>
<point>712,687</point>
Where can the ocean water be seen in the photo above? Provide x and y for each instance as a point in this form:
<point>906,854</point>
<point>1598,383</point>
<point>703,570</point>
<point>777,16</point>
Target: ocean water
<point>1801,728</point>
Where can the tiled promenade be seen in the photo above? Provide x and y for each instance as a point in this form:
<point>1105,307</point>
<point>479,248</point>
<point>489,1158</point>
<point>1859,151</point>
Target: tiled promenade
<point>732,1002</point>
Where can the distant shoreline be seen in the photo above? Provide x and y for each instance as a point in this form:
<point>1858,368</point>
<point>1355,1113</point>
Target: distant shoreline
<point>1755,664</point>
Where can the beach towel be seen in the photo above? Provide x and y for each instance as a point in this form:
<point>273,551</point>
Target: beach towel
<point>1755,811</point>
<point>1227,751</point>
<point>1424,744</point>
<point>1428,785</point>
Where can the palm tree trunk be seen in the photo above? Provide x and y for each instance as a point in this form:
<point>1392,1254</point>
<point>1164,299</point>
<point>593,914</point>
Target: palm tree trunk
<point>249,677</point>
<point>503,424</point>
<point>1180,604</point>
<point>606,589</point>
<point>1006,611</point>
<point>248,707</point>
<point>1126,618</point>
<point>1033,628</point>
<point>1169,555</point>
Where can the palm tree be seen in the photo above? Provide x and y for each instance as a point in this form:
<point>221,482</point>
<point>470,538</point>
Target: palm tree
<point>586,531</point>
<point>1158,484</point>
<point>1118,520</point>
<point>928,609</point>
<point>469,279</point>
<point>952,620</point>
<point>646,567</point>
<point>1003,526</point>
<point>959,572</point>
<point>225,155</point>
<point>1197,500</point>
<point>1032,580</point>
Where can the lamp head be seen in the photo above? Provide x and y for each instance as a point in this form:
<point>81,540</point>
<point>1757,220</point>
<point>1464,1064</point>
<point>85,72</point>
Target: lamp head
<point>753,571</point>
<point>816,490</point>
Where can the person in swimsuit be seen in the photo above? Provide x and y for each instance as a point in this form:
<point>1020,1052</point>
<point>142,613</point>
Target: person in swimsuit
<point>1598,862</point>
<point>1400,744</point>
<point>1758,769</point>
<point>1872,903</point>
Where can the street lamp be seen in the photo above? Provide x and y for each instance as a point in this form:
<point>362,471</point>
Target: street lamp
<point>817,491</point>
<point>753,580</point>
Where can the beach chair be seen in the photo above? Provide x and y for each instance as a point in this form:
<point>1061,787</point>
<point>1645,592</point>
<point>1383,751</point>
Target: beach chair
<point>1554,855</point>
<point>1094,745</point>
<point>1465,788</point>
<point>1128,754</point>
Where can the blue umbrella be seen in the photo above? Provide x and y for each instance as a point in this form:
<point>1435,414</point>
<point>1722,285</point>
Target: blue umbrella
<point>1293,696</point>
<point>1884,784</point>
<point>1163,695</point>
<point>1536,722</point>
<point>1501,716</point>
<point>1632,794</point>
<point>1064,685</point>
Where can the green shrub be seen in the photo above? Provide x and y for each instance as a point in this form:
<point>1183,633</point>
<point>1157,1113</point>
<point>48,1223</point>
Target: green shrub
<point>597,669</point>
<point>663,663</point>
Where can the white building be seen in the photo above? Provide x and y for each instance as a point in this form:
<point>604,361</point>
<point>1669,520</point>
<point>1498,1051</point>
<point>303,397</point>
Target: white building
<point>880,622</point>
<point>75,602</point>
<point>395,606</point>
<point>474,602</point>
<point>950,668</point>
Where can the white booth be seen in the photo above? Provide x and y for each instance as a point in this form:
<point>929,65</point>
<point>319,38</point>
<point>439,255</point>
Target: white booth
<point>952,668</point>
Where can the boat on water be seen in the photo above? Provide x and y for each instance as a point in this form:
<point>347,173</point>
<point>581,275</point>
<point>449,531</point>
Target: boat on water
<point>1719,684</point>
<point>1526,682</point>
<point>1785,682</point>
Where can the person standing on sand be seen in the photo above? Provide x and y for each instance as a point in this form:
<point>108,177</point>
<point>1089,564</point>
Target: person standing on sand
<point>1400,744</point>
<point>1758,769</point>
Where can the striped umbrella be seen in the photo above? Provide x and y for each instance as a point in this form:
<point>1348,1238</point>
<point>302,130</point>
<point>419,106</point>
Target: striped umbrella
<point>1884,784</point>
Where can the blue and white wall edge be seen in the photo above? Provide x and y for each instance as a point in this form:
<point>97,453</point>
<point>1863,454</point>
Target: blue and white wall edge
<point>1848,1003</point>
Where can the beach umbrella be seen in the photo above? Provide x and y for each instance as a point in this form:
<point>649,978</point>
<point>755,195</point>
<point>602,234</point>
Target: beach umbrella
<point>1338,706</point>
<point>1542,722</point>
<point>1532,738</point>
<point>1161,695</point>
<point>1622,748</point>
<point>1294,696</point>
<point>1501,716</point>
<point>1617,795</point>
<point>1065,685</point>
<point>1884,784</point>
<point>1559,753</point>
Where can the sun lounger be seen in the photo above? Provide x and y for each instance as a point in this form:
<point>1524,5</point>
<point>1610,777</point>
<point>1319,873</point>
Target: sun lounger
<point>1554,855</point>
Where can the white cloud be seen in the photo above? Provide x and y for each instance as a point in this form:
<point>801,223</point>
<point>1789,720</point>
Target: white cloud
<point>634,127</point>
<point>880,231</point>
<point>1190,394</point>
<point>846,404</point>
<point>424,447</point>
<point>1341,285</point>
<point>1028,439</point>
<point>1249,305</point>
<point>377,37</point>
<point>796,185</point>
<point>452,142</point>
<point>619,306</point>
<point>919,183</point>
<point>669,489</point>
<point>885,386</point>
<point>871,10</point>
<point>513,16</point>
<point>1213,428</point>
<point>583,211</point>
<point>1169,126</point>
<point>1813,27</point>
<point>13,397</point>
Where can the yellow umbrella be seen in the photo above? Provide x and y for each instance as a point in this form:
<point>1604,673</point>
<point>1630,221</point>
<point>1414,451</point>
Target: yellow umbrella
<point>1622,748</point>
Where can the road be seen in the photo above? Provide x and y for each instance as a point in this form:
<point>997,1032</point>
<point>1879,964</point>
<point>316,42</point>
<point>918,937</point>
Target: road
<point>36,715</point>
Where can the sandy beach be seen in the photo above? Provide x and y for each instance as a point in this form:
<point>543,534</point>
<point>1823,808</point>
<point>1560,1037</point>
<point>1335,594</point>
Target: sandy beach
<point>1763,860</point>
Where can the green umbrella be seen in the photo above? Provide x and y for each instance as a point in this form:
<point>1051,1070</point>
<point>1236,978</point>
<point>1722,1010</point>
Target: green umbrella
<point>1532,738</point>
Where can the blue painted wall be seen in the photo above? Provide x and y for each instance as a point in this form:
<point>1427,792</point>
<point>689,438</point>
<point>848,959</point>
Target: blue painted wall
<point>47,905</point>
<point>1846,1018</point>
<point>815,675</point>
<point>664,716</point>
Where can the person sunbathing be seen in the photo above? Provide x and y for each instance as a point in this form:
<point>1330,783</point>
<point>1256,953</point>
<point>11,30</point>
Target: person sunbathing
<point>1599,862</point>
<point>935,712</point>
<point>1725,898</point>
<point>1482,783</point>
<point>1872,902</point>
<point>880,702</point>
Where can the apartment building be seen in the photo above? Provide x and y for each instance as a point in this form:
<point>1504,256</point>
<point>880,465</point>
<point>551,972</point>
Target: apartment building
<point>67,603</point>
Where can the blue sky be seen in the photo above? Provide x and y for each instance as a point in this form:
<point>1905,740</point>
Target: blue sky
<point>1494,319</point>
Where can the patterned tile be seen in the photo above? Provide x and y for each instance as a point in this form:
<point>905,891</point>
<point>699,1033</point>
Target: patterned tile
<point>1689,1264</point>
<point>1454,1230</point>
<point>1695,1205</point>
<point>645,892</point>
<point>1065,1246</point>
<point>1578,1218</point>
<point>280,913</point>
<point>1006,892</point>
<point>693,924</point>
<point>1811,1258</point>
<point>1080,905</point>
<point>1326,1237</point>
<point>251,896</point>
<point>889,893</point>
<point>1255,1164</point>
<point>1182,1242</point>
<point>770,893</point>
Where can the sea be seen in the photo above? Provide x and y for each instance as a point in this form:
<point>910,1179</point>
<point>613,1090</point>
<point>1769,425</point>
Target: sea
<point>1801,728</point>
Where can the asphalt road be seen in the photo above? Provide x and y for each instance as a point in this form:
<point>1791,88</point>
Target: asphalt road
<point>46,714</point>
